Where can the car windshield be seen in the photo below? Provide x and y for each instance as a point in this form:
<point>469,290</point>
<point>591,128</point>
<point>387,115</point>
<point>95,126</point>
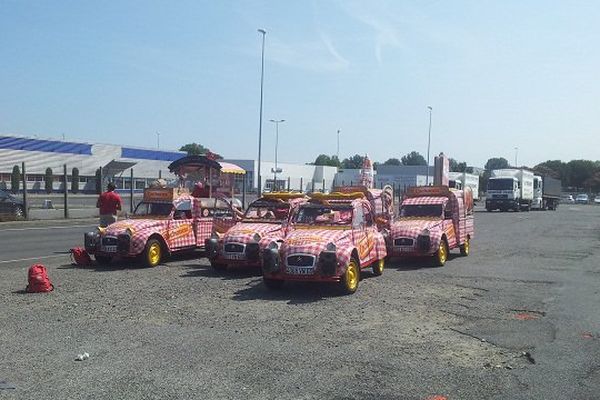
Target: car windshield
<point>421,210</point>
<point>582,196</point>
<point>267,212</point>
<point>500,184</point>
<point>324,215</point>
<point>145,209</point>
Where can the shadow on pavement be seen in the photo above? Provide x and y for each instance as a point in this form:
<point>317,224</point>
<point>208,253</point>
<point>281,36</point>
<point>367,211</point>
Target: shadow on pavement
<point>414,263</point>
<point>231,273</point>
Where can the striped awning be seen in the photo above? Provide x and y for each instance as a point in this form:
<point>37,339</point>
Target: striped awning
<point>229,168</point>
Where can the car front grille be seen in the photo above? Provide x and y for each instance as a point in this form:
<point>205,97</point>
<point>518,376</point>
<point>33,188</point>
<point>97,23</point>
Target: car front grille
<point>234,248</point>
<point>109,241</point>
<point>300,260</point>
<point>403,242</point>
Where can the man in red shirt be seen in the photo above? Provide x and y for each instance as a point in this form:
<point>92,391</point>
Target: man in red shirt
<point>109,204</point>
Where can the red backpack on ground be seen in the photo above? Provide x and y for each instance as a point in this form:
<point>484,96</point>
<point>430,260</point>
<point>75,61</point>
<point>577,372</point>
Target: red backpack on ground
<point>80,256</point>
<point>38,279</point>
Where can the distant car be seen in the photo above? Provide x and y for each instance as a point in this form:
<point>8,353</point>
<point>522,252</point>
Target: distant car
<point>568,199</point>
<point>582,199</point>
<point>597,200</point>
<point>10,206</point>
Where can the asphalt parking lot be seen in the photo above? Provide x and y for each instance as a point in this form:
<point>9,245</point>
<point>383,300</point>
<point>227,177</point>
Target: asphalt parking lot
<point>517,319</point>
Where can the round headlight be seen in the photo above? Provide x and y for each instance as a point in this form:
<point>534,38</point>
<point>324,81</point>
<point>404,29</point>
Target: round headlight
<point>425,232</point>
<point>273,246</point>
<point>330,247</point>
<point>129,231</point>
<point>256,237</point>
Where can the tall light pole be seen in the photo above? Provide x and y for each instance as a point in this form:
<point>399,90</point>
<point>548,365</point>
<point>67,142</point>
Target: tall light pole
<point>262,80</point>
<point>157,139</point>
<point>428,143</point>
<point>276,122</point>
<point>516,157</point>
<point>338,144</point>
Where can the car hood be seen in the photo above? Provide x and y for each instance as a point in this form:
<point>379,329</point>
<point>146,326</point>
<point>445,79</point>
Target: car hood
<point>413,227</point>
<point>243,232</point>
<point>134,225</point>
<point>314,241</point>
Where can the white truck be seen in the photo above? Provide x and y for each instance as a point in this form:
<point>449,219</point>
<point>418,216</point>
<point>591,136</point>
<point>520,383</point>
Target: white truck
<point>546,192</point>
<point>509,189</point>
<point>461,180</point>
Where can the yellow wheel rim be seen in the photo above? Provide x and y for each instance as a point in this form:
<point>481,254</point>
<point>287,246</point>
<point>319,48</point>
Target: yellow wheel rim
<point>442,253</point>
<point>380,265</point>
<point>154,254</point>
<point>352,275</point>
<point>467,247</point>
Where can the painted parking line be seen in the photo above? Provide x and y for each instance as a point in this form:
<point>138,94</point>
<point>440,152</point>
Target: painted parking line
<point>41,228</point>
<point>32,258</point>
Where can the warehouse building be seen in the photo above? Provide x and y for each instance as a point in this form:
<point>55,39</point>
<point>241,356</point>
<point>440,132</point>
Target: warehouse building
<point>117,163</point>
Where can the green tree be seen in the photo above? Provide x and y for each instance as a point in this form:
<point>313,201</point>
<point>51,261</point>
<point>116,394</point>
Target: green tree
<point>496,163</point>
<point>48,179</point>
<point>580,171</point>
<point>392,161</point>
<point>15,179</point>
<point>456,166</point>
<point>354,162</point>
<point>413,158</point>
<point>75,180</point>
<point>196,149</point>
<point>324,159</point>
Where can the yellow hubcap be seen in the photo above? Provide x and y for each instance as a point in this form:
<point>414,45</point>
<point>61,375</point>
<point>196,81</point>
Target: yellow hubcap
<point>154,254</point>
<point>467,246</point>
<point>380,265</point>
<point>352,275</point>
<point>442,253</point>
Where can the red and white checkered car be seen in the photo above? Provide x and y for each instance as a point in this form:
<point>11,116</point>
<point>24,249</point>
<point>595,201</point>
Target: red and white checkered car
<point>265,220</point>
<point>334,236</point>
<point>432,221</point>
<point>158,228</point>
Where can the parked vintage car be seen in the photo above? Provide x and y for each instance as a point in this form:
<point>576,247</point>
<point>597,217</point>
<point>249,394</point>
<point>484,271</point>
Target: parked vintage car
<point>333,237</point>
<point>265,220</point>
<point>432,221</point>
<point>166,221</point>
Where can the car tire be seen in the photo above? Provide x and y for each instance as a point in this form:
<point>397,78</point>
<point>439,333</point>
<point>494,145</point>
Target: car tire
<point>378,267</point>
<point>19,213</point>
<point>153,253</point>
<point>273,284</point>
<point>351,277</point>
<point>441,255</point>
<point>465,248</point>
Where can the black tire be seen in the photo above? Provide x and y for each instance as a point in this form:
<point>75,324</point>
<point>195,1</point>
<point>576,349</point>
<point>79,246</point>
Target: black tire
<point>19,213</point>
<point>103,260</point>
<point>273,284</point>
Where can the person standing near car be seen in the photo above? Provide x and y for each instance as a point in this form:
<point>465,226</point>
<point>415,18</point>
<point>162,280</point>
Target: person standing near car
<point>109,204</point>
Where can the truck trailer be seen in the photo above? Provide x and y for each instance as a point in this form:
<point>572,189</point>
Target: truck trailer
<point>461,180</point>
<point>546,193</point>
<point>509,189</point>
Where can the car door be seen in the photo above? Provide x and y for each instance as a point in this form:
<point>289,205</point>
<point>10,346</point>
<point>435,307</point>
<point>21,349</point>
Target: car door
<point>180,232</point>
<point>359,234</point>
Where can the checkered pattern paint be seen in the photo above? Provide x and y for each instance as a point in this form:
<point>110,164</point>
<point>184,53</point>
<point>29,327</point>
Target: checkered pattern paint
<point>176,233</point>
<point>369,243</point>
<point>455,229</point>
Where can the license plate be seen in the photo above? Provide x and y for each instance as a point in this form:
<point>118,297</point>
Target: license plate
<point>300,270</point>
<point>109,249</point>
<point>234,256</point>
<point>404,249</point>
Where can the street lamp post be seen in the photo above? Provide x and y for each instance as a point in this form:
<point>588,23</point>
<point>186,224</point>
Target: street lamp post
<point>338,145</point>
<point>276,122</point>
<point>157,139</point>
<point>516,157</point>
<point>262,79</point>
<point>428,143</point>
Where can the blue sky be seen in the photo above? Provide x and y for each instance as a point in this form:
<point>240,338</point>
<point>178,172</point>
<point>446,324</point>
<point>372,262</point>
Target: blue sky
<point>498,74</point>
